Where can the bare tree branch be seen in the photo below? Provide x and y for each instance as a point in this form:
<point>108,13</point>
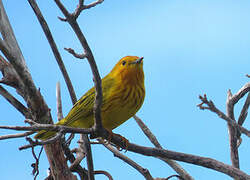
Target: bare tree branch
<point>32,143</point>
<point>14,102</point>
<point>82,7</point>
<point>32,96</point>
<point>156,143</point>
<point>59,101</point>
<point>234,154</point>
<point>54,48</point>
<point>236,97</point>
<point>10,76</point>
<point>85,146</point>
<point>58,58</point>
<point>105,173</point>
<point>14,55</point>
<point>75,166</point>
<point>244,111</point>
<point>129,161</point>
<point>197,160</point>
<point>212,108</point>
<point>156,152</point>
<point>75,162</point>
<point>233,135</point>
<point>97,81</point>
<point>35,165</point>
<point>18,135</point>
<point>71,51</point>
<point>87,51</point>
<point>147,132</point>
<point>50,127</point>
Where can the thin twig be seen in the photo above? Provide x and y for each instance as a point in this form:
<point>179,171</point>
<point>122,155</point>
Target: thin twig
<point>104,173</point>
<point>50,127</point>
<point>179,177</point>
<point>84,144</point>
<point>129,161</point>
<point>59,102</point>
<point>18,135</point>
<point>14,102</point>
<point>237,96</point>
<point>35,165</point>
<point>242,117</point>
<point>147,132</point>
<point>41,143</point>
<point>210,106</point>
<point>54,48</point>
<point>244,111</point>
<point>72,51</point>
<point>82,7</point>
<point>156,143</point>
<point>65,144</point>
<point>87,51</point>
<point>80,155</point>
<point>75,167</point>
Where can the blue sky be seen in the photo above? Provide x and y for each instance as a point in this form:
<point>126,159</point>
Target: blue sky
<point>189,47</point>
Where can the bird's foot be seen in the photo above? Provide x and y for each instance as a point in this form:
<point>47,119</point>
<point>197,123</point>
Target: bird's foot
<point>124,140</point>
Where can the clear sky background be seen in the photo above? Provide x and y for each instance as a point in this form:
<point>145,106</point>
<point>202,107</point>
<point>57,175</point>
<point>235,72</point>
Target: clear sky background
<point>190,48</point>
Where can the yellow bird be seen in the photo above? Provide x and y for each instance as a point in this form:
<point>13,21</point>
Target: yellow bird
<point>123,95</point>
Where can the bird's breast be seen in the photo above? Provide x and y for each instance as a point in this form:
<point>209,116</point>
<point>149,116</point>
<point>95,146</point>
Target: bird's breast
<point>124,102</point>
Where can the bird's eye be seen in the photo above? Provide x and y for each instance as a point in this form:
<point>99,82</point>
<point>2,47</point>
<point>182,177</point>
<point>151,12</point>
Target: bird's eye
<point>123,63</point>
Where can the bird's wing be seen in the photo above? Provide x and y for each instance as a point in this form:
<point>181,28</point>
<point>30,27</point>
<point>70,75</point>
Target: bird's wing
<point>83,108</point>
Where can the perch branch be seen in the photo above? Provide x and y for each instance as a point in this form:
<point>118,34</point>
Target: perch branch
<point>188,158</point>
<point>160,153</point>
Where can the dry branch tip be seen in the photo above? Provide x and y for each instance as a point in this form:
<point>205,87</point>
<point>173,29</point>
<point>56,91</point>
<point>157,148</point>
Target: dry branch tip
<point>79,56</point>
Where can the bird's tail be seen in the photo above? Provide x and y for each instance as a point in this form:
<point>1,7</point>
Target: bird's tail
<point>45,134</point>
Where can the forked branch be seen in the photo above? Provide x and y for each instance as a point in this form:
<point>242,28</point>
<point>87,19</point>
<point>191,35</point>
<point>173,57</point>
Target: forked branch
<point>210,106</point>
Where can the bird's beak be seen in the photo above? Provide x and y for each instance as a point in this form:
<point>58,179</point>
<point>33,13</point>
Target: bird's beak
<point>137,61</point>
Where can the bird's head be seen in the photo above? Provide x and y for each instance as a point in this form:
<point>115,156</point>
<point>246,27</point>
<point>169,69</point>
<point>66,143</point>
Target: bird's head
<point>129,69</point>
